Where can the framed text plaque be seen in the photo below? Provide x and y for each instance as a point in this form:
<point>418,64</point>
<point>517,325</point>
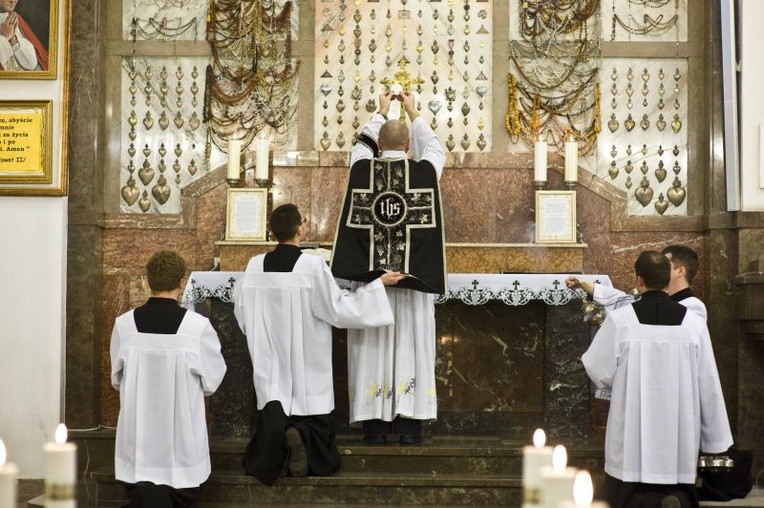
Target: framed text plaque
<point>556,217</point>
<point>25,144</point>
<point>246,215</point>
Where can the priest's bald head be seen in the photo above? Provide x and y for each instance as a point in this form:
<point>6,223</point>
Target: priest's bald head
<point>653,271</point>
<point>394,135</point>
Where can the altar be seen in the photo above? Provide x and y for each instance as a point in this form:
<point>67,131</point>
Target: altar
<point>508,356</point>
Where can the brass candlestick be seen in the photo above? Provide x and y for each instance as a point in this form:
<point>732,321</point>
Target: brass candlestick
<point>404,79</point>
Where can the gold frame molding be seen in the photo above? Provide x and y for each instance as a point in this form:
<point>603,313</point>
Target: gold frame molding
<point>27,11</point>
<point>55,96</point>
<point>236,205</point>
<point>565,209</point>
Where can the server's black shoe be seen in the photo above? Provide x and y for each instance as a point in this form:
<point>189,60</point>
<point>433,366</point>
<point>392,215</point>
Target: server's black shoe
<point>375,439</point>
<point>298,457</point>
<point>410,439</point>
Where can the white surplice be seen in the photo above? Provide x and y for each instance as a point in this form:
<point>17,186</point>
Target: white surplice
<point>666,402</point>
<point>391,369</point>
<point>162,380</point>
<point>613,298</point>
<point>288,318</point>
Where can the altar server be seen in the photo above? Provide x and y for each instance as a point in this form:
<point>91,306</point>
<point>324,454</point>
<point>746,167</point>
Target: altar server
<point>684,266</point>
<point>391,369</point>
<point>666,399</point>
<point>164,361</point>
<point>286,305</point>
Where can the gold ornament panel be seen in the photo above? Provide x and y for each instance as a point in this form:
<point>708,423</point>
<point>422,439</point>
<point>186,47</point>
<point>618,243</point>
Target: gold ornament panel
<point>449,49</point>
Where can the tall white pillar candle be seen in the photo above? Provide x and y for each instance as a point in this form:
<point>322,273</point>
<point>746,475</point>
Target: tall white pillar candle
<point>234,156</point>
<point>60,471</point>
<point>261,160</point>
<point>534,458</point>
<point>8,475</point>
<point>539,161</point>
<point>571,161</point>
<point>583,493</point>
<point>557,480</point>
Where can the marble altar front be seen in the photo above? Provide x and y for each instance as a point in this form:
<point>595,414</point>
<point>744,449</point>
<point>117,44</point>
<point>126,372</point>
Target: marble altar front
<point>508,349</point>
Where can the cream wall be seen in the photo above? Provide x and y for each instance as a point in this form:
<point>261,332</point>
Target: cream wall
<point>751,106</point>
<point>32,311</point>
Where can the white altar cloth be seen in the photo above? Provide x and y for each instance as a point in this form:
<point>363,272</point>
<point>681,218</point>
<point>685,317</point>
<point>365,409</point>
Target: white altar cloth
<point>471,288</point>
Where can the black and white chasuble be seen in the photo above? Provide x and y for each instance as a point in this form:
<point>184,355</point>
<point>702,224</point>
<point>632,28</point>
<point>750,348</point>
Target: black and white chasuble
<point>391,220</point>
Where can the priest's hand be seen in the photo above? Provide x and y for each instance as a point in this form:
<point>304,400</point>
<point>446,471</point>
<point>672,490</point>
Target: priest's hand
<point>574,283</point>
<point>384,102</point>
<point>409,102</point>
<point>392,278</point>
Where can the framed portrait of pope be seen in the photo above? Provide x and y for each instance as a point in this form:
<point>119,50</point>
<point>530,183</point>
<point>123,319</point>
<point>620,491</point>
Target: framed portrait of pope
<point>29,39</point>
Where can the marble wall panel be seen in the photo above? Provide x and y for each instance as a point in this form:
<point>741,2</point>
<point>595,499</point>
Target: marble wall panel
<point>126,251</point>
<point>751,248</point>
<point>115,301</point>
<point>210,227</point>
<point>520,259</point>
<point>328,189</point>
<point>490,357</point>
<point>293,185</point>
<point>750,431</point>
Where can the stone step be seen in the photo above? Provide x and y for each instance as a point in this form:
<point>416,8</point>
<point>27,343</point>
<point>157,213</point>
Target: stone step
<point>436,455</point>
<point>344,488</point>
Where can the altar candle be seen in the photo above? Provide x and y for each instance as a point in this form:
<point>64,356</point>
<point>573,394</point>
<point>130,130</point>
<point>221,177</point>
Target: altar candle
<point>60,471</point>
<point>557,480</point>
<point>8,474</point>
<point>539,161</point>
<point>571,161</point>
<point>583,493</point>
<point>261,162</point>
<point>234,156</point>
<point>534,458</point>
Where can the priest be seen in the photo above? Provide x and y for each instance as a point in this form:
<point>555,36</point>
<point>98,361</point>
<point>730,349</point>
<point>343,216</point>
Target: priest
<point>286,305</point>
<point>666,404</point>
<point>391,219</point>
<point>164,361</point>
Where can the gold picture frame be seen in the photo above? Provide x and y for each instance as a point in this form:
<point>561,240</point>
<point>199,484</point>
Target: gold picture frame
<point>26,145</point>
<point>35,50</point>
<point>246,215</point>
<point>556,217</point>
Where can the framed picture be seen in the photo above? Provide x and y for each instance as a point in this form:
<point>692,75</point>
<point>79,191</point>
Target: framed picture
<point>246,215</point>
<point>25,146</point>
<point>34,45</point>
<point>556,217</point>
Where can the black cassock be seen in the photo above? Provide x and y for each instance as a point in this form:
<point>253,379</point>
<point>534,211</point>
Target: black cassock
<point>391,220</point>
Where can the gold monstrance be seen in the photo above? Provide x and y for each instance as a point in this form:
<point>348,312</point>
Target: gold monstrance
<point>403,79</point>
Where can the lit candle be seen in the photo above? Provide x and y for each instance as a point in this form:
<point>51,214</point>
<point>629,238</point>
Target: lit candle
<point>8,474</point>
<point>571,161</point>
<point>583,493</point>
<point>534,458</point>
<point>261,162</point>
<point>60,471</point>
<point>234,156</point>
<point>539,161</point>
<point>557,480</point>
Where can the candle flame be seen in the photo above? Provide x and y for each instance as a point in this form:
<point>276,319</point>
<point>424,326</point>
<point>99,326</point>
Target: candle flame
<point>559,458</point>
<point>583,491</point>
<point>2,453</point>
<point>60,436</point>
<point>539,438</point>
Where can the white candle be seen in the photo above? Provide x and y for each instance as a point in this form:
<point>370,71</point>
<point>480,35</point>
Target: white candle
<point>234,156</point>
<point>534,458</point>
<point>557,480</point>
<point>8,474</point>
<point>583,493</point>
<point>539,161</point>
<point>261,162</point>
<point>60,471</point>
<point>571,161</point>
